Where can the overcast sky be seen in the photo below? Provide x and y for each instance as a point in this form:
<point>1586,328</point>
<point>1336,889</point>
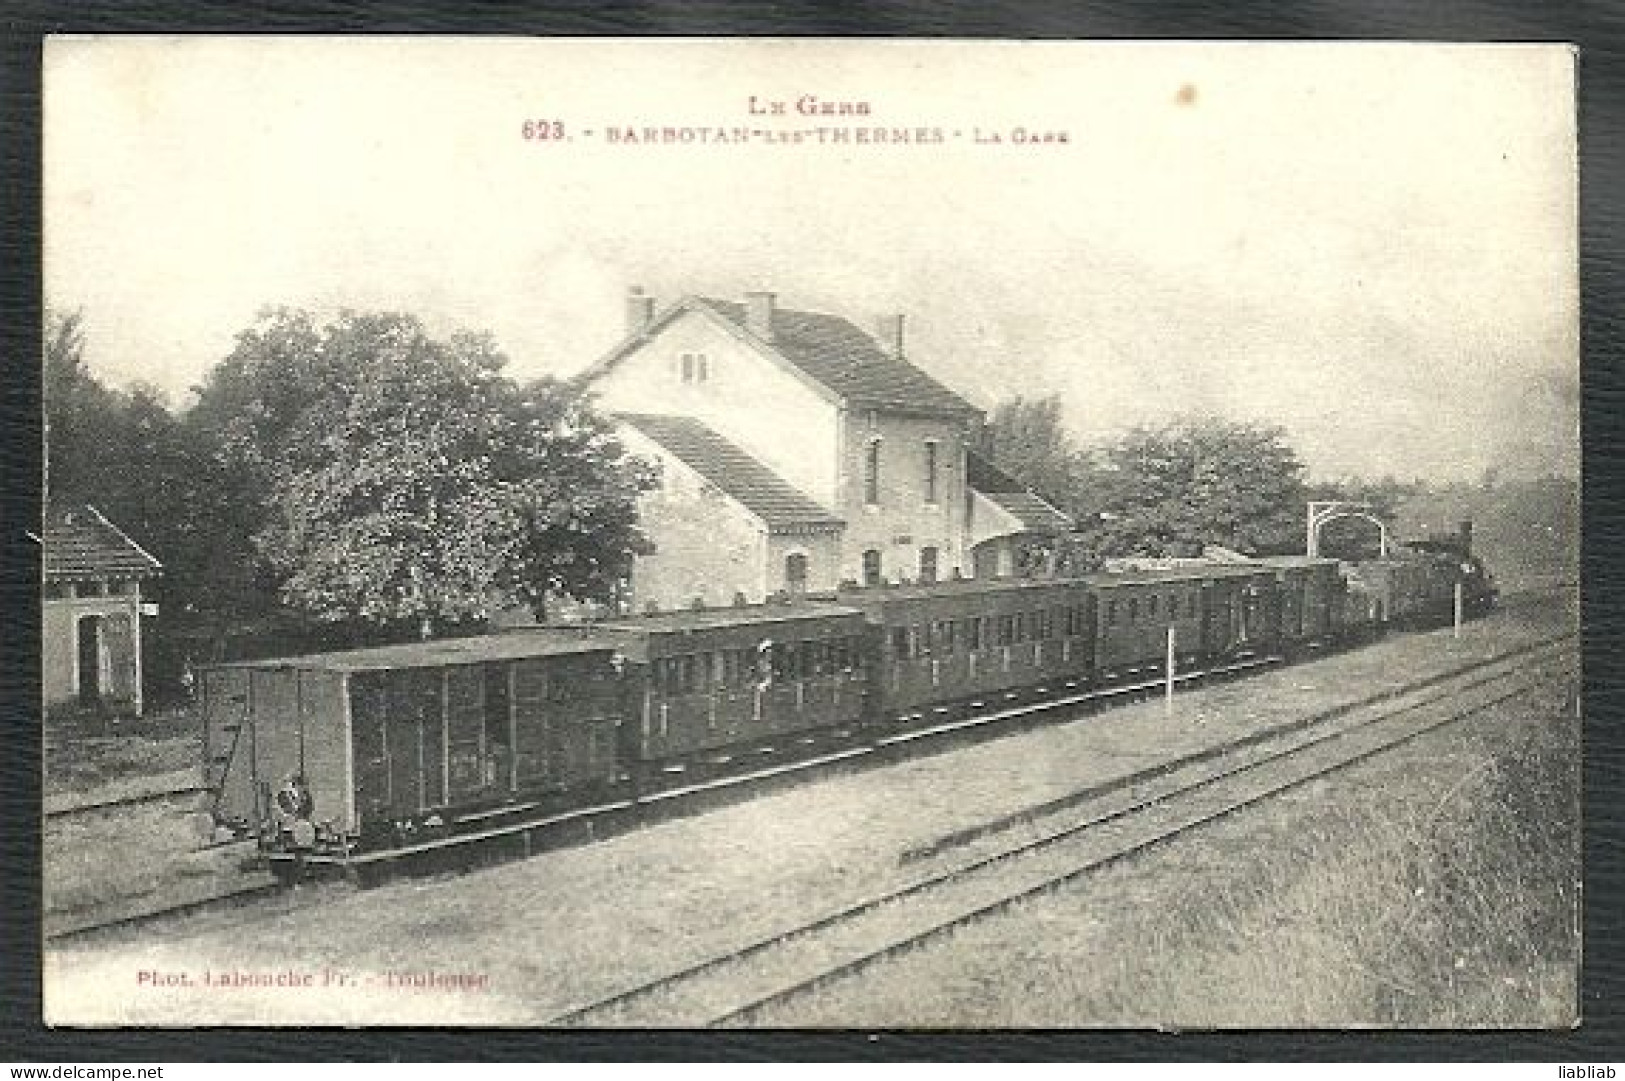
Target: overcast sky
<point>1371,245</point>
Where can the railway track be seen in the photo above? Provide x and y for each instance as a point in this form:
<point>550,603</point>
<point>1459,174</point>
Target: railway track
<point>208,875</point>
<point>244,889</point>
<point>1055,845</point>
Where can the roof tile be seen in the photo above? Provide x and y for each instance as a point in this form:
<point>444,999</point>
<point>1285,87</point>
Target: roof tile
<point>81,543</point>
<point>837,354</point>
<point>742,478</point>
<point>1014,497</point>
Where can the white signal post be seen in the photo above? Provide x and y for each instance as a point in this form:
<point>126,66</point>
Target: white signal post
<point>1459,606</point>
<point>1168,675</point>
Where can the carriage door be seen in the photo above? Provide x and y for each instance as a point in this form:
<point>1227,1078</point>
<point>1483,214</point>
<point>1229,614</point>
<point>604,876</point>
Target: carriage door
<point>465,731</point>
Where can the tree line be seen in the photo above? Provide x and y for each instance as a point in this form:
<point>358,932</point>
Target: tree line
<point>1171,489</point>
<point>354,480</point>
<point>360,479</point>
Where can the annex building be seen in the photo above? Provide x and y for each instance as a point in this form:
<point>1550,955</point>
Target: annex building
<point>799,452</point>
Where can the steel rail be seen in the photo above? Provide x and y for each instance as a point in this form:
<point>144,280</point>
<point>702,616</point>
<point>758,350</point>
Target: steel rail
<point>618,1003</point>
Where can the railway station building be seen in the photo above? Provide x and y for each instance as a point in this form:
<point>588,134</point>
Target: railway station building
<point>799,452</point>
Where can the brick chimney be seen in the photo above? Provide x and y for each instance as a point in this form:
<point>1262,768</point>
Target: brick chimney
<point>759,314</point>
<point>889,334</point>
<point>640,310</point>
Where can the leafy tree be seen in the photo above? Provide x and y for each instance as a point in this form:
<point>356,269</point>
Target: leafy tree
<point>408,481</point>
<point>1027,439</point>
<point>1170,490</point>
<point>79,412</point>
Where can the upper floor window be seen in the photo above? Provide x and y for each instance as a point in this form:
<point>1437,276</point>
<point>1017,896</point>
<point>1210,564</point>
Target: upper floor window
<point>694,367</point>
<point>871,473</point>
<point>931,471</point>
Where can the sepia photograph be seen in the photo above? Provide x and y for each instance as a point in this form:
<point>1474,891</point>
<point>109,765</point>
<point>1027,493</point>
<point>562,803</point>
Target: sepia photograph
<point>810,534</point>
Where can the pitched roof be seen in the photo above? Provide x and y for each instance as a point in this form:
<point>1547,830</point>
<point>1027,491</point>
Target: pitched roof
<point>835,353</point>
<point>1034,513</point>
<point>80,542</point>
<point>781,506</point>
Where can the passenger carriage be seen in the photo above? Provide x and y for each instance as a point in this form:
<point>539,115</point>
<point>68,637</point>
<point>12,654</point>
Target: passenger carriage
<point>1134,610</point>
<point>711,687</point>
<point>1218,613</point>
<point>951,646</point>
<point>1311,601</point>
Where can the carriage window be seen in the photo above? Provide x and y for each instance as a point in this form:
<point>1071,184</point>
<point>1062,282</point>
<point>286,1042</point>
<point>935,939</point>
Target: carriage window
<point>899,643</point>
<point>1111,612</point>
<point>1190,609</point>
<point>1151,605</point>
<point>1133,609</point>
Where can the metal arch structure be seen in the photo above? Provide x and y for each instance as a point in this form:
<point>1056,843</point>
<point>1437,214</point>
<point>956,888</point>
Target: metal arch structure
<point>1328,510</point>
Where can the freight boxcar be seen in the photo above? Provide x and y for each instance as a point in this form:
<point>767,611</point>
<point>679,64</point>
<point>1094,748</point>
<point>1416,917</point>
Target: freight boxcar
<point>1404,592</point>
<point>710,686</point>
<point>954,646</point>
<point>343,752</point>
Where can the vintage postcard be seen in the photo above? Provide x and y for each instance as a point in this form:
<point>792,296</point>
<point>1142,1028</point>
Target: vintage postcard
<point>810,533</point>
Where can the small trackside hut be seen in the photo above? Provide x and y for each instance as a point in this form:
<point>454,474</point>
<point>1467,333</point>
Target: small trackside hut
<point>724,687</point>
<point>337,753</point>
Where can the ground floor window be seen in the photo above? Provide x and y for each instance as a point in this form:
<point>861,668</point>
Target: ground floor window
<point>871,567</point>
<point>795,572</point>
